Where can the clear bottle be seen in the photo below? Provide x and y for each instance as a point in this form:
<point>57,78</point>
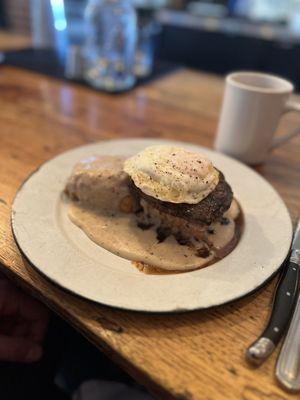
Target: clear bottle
<point>109,50</point>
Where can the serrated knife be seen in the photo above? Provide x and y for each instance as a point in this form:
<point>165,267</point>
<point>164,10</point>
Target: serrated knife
<point>283,306</point>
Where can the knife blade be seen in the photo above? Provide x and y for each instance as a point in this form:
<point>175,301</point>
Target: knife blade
<point>285,297</point>
<point>288,363</point>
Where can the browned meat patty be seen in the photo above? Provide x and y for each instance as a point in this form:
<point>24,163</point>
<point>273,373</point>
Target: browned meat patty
<point>206,211</point>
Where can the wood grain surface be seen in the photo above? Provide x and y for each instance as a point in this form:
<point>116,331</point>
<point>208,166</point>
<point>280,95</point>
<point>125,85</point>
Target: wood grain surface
<point>14,41</point>
<point>198,355</point>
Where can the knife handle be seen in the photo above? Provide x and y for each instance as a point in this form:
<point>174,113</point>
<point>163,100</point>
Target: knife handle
<point>283,306</point>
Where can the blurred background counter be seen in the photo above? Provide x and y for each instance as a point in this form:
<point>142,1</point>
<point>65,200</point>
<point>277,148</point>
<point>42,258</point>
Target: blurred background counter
<point>215,36</point>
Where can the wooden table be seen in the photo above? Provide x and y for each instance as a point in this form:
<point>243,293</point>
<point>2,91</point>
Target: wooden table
<point>198,355</point>
<point>13,41</point>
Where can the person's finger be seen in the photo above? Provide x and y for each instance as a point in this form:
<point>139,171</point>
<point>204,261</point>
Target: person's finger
<point>2,276</point>
<point>37,329</point>
<point>37,315</point>
<point>23,308</point>
<point>14,302</point>
<point>8,299</point>
<point>14,326</point>
<point>6,326</point>
<point>21,329</point>
<point>17,349</point>
<point>31,309</point>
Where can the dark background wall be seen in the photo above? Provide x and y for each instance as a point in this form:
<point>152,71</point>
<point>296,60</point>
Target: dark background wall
<point>194,46</point>
<point>221,53</point>
<point>2,14</point>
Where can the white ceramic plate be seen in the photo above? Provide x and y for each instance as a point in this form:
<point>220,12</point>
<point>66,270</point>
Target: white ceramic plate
<point>63,253</point>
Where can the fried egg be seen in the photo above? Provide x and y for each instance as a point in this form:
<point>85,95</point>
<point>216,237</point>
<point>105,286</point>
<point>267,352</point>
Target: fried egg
<point>172,174</point>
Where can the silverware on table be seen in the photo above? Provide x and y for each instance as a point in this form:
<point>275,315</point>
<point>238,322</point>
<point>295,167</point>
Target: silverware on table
<point>288,363</point>
<point>283,306</point>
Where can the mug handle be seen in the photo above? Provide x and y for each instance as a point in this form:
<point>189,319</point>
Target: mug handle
<point>279,140</point>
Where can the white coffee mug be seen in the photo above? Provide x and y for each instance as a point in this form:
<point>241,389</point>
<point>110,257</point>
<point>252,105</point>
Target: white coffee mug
<point>253,104</point>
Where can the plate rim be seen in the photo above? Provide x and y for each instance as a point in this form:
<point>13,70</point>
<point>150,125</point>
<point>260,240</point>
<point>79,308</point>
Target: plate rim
<point>126,308</point>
